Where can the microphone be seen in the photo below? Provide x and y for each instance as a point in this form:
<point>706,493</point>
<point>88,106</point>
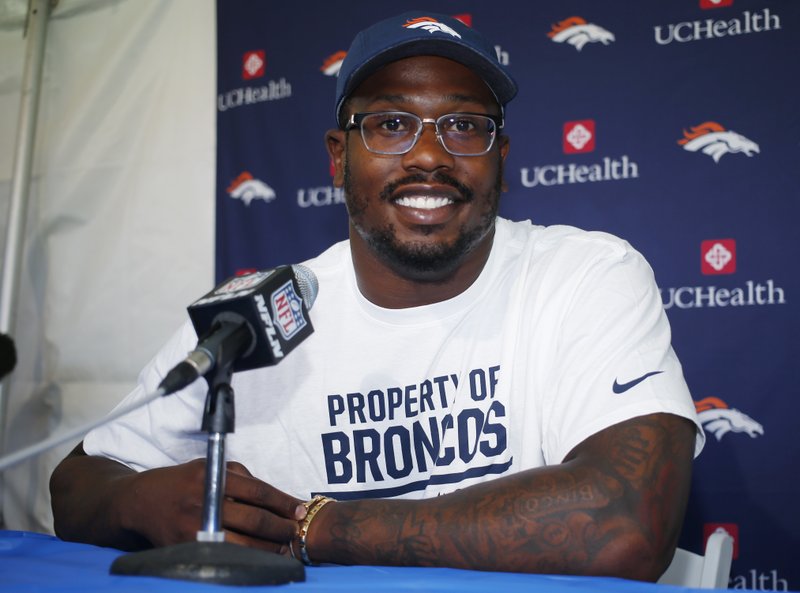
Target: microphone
<point>259,314</point>
<point>249,322</point>
<point>8,355</point>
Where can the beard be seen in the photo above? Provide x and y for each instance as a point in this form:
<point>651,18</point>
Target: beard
<point>419,260</point>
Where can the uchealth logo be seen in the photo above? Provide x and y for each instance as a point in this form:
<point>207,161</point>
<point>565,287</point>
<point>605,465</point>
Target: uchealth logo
<point>718,256</point>
<point>253,92</point>
<point>746,23</point>
<point>751,579</point>
<point>719,419</point>
<point>464,17</point>
<point>751,294</point>
<point>333,63</point>
<point>253,64</point>
<point>731,529</point>
<point>714,140</point>
<point>706,4</point>
<point>579,136</point>
<point>315,197</point>
<point>577,32</point>
<point>247,188</point>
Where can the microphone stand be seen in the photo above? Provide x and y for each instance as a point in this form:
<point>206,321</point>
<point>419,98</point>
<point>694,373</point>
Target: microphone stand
<point>211,559</point>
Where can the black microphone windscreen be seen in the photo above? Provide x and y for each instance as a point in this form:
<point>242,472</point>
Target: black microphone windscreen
<point>8,355</point>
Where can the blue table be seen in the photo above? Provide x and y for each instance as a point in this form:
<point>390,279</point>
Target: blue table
<point>32,562</point>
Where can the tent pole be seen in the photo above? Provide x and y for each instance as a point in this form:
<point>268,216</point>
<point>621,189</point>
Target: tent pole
<point>36,31</point>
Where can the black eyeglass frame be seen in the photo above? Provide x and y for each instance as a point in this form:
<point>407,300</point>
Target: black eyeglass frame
<point>356,119</point>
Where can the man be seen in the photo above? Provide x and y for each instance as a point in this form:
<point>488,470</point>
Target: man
<point>478,393</point>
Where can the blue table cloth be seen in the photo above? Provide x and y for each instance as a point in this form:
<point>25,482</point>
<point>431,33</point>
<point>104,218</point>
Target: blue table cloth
<point>37,563</point>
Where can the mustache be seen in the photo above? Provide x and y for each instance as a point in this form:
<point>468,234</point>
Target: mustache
<point>438,177</point>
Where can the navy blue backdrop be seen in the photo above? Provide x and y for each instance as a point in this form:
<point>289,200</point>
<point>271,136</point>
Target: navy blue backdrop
<point>673,124</point>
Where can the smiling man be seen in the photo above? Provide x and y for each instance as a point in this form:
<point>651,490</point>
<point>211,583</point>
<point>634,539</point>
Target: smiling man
<point>478,393</point>
<point>428,174</point>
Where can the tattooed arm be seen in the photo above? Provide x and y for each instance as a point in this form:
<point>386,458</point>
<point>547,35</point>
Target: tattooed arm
<point>613,507</point>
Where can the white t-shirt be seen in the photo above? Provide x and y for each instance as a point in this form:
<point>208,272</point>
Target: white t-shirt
<point>562,335</point>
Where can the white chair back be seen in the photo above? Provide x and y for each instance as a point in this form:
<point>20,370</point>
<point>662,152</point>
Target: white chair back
<point>710,571</point>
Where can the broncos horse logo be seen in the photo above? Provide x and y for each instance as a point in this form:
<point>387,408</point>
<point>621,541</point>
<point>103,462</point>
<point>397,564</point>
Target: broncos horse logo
<point>246,188</point>
<point>577,32</point>
<point>712,139</point>
<point>333,63</point>
<point>718,419</point>
<point>431,26</point>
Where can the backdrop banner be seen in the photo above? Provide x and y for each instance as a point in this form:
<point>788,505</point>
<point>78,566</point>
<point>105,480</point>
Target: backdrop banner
<point>674,126</point>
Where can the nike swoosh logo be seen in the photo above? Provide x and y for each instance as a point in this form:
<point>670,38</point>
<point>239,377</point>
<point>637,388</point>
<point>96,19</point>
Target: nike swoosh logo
<point>623,387</point>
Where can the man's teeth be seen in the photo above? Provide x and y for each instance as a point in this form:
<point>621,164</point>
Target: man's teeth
<point>424,203</point>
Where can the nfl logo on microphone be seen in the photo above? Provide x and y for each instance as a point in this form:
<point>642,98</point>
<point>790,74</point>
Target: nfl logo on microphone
<point>287,310</point>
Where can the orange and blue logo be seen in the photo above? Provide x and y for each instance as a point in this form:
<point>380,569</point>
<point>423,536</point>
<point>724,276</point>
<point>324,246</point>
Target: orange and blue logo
<point>577,32</point>
<point>431,25</point>
<point>714,140</point>
<point>333,63</point>
<point>247,188</point>
<point>719,419</point>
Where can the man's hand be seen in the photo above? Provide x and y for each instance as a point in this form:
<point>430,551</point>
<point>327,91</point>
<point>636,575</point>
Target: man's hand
<point>257,514</point>
<point>122,508</point>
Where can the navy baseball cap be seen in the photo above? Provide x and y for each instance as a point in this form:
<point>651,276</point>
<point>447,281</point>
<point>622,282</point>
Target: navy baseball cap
<point>420,33</point>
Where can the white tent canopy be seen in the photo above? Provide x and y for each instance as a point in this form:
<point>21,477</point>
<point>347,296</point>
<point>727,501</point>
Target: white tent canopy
<point>119,231</point>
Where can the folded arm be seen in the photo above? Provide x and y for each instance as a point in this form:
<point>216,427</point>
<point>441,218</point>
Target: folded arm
<point>614,507</point>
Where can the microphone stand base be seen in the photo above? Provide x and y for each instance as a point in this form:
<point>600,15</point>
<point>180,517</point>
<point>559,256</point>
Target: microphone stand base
<point>211,562</point>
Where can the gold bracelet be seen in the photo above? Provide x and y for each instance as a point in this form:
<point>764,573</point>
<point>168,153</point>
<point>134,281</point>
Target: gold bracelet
<point>312,507</point>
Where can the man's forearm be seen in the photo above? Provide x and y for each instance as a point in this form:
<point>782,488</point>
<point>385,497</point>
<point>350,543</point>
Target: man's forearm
<point>86,494</point>
<point>614,513</point>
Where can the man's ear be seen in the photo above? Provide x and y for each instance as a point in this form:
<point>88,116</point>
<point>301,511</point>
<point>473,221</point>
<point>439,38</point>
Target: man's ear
<point>335,143</point>
<point>504,144</point>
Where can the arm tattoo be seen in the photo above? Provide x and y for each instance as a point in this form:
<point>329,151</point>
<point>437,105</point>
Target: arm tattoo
<point>626,485</point>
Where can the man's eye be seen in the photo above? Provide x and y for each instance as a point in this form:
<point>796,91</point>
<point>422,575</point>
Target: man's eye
<point>392,124</point>
<point>460,125</point>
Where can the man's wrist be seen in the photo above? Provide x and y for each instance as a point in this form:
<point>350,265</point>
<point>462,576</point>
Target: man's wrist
<point>124,503</point>
<point>125,509</point>
<point>313,507</point>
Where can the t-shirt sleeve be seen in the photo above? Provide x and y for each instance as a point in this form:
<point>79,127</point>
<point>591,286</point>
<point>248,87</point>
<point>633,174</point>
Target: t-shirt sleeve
<point>167,430</point>
<point>615,359</point>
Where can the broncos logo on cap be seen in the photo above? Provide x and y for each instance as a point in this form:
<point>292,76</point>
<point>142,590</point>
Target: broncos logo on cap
<point>718,419</point>
<point>577,32</point>
<point>246,188</point>
<point>431,26</point>
<point>712,139</point>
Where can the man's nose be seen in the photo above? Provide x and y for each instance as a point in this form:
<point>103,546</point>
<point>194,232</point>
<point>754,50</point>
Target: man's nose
<point>428,153</point>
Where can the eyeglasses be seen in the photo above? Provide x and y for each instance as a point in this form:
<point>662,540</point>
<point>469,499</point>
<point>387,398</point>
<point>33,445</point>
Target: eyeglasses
<point>396,132</point>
